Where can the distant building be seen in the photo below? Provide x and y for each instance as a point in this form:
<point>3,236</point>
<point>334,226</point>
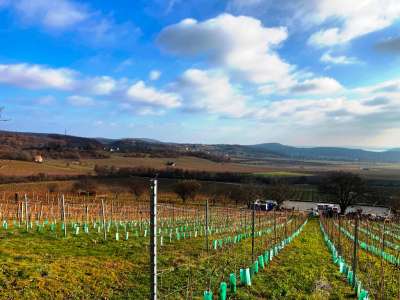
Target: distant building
<point>171,164</point>
<point>38,159</point>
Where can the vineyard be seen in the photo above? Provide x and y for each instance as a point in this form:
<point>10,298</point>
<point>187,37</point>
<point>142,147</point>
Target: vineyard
<point>367,252</point>
<point>74,247</point>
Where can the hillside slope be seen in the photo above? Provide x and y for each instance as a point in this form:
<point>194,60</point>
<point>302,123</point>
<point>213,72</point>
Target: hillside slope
<point>16,145</point>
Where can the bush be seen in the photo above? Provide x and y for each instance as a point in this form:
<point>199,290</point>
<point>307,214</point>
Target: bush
<point>187,189</point>
<point>137,188</point>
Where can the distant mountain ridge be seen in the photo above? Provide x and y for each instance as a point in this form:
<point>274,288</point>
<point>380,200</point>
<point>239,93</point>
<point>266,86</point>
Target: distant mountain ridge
<point>329,153</point>
<point>12,142</point>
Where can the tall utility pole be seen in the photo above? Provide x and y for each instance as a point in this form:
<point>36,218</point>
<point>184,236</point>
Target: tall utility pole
<point>153,239</point>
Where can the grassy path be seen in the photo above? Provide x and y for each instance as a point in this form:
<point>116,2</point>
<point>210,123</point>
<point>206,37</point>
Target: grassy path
<point>304,270</point>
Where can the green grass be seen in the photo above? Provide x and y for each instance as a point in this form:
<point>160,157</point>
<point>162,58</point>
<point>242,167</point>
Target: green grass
<point>36,266</point>
<point>303,270</point>
<point>44,266</point>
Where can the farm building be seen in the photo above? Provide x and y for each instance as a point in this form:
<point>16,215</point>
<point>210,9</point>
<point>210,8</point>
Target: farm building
<point>171,164</point>
<point>38,159</point>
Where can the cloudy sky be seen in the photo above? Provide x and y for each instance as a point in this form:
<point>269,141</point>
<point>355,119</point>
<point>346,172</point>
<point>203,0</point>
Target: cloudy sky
<point>299,72</point>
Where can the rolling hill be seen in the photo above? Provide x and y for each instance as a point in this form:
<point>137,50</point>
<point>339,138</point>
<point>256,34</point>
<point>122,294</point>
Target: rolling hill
<point>22,145</point>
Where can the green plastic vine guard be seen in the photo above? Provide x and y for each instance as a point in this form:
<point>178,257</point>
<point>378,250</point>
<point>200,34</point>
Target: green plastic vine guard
<point>247,277</point>
<point>222,291</point>
<point>242,277</point>
<point>266,257</point>
<point>363,295</point>
<point>126,236</point>
<point>208,295</point>
<point>345,269</point>
<point>350,277</point>
<point>358,287</point>
<point>255,264</point>
<point>261,261</point>
<point>232,282</point>
<point>341,267</point>
<point>117,236</point>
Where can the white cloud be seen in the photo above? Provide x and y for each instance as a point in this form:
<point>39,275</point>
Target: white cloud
<point>73,16</point>
<point>327,57</point>
<point>77,100</point>
<point>315,111</point>
<point>37,76</point>
<point>141,93</point>
<point>240,44</point>
<point>385,87</point>
<point>310,86</point>
<point>211,92</point>
<point>42,77</point>
<point>319,86</point>
<point>154,75</point>
<point>102,85</point>
<point>353,19</point>
<point>59,14</point>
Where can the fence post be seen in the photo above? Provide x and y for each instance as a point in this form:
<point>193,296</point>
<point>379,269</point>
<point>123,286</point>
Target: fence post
<point>275,237</point>
<point>382,261</point>
<point>339,236</point>
<point>104,219</point>
<point>153,239</point>
<point>355,245</point>
<point>207,244</point>
<point>26,212</point>
<point>252,231</point>
<point>63,215</point>
<point>87,214</point>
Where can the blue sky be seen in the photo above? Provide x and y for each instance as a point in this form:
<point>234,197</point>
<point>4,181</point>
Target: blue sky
<point>300,72</point>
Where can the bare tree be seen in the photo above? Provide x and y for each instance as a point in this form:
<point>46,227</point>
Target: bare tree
<point>279,190</point>
<point>346,188</point>
<point>138,188</point>
<point>187,189</point>
<point>247,193</point>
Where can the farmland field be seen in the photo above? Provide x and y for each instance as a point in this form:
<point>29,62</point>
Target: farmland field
<point>268,168</point>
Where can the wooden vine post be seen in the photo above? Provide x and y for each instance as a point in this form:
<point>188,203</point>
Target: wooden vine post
<point>64,215</point>
<point>26,213</point>
<point>103,219</point>
<point>252,230</point>
<point>355,246</point>
<point>207,244</point>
